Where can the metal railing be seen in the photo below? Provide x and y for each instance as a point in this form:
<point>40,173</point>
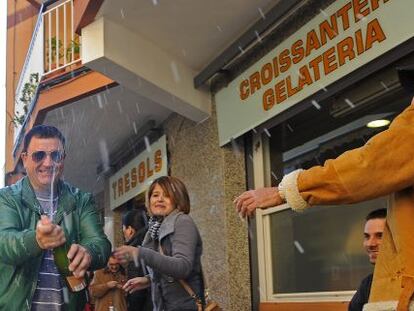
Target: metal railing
<point>62,45</point>
<point>33,66</point>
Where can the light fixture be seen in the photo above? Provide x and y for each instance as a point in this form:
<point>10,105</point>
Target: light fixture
<point>329,137</point>
<point>378,123</point>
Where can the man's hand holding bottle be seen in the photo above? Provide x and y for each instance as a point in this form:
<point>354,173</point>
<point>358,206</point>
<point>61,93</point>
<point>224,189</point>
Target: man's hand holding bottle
<point>72,263</point>
<point>48,234</point>
<point>80,260</point>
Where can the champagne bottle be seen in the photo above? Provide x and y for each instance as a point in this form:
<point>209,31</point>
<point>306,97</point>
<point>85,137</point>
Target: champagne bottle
<point>62,263</point>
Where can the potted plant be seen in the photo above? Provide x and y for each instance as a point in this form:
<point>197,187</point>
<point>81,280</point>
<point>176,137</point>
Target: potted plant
<point>28,91</point>
<point>74,47</point>
<point>55,47</point>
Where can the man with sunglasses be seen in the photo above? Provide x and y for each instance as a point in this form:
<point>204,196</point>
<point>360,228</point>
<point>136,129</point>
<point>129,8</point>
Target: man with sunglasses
<point>37,214</point>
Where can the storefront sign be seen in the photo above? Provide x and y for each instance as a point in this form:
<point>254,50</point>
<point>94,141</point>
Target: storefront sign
<point>342,38</point>
<point>137,175</point>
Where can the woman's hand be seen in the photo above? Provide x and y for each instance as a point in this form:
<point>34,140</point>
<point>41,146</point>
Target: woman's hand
<point>135,284</point>
<point>126,253</point>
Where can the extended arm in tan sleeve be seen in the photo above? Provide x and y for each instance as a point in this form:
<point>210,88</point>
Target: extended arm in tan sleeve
<point>385,164</point>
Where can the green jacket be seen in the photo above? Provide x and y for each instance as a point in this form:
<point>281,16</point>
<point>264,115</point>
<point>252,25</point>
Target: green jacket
<point>20,255</point>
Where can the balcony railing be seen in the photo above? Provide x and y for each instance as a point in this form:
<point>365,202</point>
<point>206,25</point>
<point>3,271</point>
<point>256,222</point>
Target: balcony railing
<point>62,44</point>
<point>29,77</point>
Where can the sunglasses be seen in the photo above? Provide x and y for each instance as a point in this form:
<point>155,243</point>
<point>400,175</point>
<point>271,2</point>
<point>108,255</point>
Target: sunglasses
<point>56,155</point>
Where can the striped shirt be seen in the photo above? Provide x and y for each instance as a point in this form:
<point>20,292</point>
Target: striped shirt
<point>48,295</point>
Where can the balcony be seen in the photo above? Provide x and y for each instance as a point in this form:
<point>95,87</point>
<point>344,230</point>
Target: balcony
<point>61,44</point>
<point>54,48</point>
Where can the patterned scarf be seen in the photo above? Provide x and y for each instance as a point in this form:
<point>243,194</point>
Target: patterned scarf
<point>154,226</point>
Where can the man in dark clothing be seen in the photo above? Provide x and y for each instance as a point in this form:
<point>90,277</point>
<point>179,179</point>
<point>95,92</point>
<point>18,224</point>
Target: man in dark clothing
<point>373,230</point>
<point>134,227</point>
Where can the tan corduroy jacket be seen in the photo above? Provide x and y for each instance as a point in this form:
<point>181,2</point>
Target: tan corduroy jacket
<point>104,296</point>
<point>383,166</point>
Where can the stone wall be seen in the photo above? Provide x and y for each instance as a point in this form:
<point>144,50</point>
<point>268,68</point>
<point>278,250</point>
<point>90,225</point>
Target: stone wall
<point>214,176</point>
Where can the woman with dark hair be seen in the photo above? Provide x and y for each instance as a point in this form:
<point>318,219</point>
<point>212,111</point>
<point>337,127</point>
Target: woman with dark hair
<point>171,249</point>
<point>134,227</point>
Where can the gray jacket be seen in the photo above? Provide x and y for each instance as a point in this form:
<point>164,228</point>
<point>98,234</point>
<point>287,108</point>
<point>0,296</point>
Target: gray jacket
<point>181,243</point>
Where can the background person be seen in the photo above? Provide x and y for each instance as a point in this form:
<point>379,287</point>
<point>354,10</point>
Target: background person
<point>134,228</point>
<point>106,287</point>
<point>173,232</point>
<point>29,278</point>
<point>373,231</point>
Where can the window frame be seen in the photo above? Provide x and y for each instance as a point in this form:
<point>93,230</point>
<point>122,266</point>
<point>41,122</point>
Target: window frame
<point>261,165</point>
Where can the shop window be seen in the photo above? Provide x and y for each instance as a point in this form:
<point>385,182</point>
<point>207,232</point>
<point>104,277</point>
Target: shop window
<point>320,250</point>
